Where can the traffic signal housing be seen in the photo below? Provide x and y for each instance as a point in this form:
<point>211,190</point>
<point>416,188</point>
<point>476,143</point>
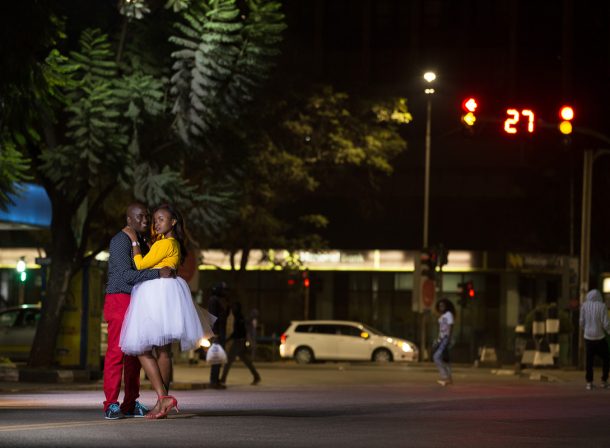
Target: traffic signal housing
<point>469,118</point>
<point>467,293</point>
<point>429,260</point>
<point>566,113</point>
<point>21,269</point>
<point>306,281</point>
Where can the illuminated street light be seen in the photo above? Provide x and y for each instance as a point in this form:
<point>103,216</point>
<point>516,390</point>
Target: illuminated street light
<point>429,77</point>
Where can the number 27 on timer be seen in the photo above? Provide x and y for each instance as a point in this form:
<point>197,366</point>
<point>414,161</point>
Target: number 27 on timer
<point>514,116</point>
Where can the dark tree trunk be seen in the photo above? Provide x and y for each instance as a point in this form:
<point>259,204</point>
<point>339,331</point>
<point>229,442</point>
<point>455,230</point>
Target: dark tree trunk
<point>63,266</point>
<point>237,286</point>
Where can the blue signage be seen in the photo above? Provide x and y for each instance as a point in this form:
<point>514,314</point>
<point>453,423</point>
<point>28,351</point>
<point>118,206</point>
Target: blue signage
<point>31,206</point>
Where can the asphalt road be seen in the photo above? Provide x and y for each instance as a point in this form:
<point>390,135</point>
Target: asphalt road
<point>331,406</point>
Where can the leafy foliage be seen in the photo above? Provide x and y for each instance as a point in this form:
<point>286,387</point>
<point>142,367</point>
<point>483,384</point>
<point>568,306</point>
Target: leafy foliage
<point>305,142</point>
<point>13,169</point>
<point>134,9</point>
<point>222,59</point>
<point>96,133</point>
<point>99,125</point>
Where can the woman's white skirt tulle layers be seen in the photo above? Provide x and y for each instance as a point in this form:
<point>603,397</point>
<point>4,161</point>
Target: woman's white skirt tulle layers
<point>162,311</point>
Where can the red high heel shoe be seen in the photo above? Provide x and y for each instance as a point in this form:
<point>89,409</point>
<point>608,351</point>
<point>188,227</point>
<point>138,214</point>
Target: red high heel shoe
<point>173,405</point>
<point>152,416</point>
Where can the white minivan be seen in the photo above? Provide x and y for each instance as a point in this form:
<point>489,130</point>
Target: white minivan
<point>310,340</point>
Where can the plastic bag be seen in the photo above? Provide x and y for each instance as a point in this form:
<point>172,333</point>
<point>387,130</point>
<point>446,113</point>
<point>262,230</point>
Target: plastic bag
<point>216,354</point>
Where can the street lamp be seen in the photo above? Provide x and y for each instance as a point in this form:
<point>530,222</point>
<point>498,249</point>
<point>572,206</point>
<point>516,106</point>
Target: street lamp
<point>429,77</point>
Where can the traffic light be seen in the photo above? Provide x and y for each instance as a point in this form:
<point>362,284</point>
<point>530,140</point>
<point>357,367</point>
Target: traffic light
<point>21,269</point>
<point>467,293</point>
<point>566,113</point>
<point>429,260</point>
<point>306,282</point>
<point>469,119</point>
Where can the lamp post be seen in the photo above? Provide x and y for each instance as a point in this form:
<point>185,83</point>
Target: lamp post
<point>429,77</point>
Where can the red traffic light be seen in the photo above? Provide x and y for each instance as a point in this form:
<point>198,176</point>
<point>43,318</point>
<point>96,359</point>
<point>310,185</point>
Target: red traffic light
<point>306,282</point>
<point>470,105</point>
<point>566,113</point>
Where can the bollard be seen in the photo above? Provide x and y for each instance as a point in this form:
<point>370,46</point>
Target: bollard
<point>542,356</point>
<point>552,332</point>
<point>528,354</point>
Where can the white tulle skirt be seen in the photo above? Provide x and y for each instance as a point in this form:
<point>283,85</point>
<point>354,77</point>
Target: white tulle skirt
<point>162,311</point>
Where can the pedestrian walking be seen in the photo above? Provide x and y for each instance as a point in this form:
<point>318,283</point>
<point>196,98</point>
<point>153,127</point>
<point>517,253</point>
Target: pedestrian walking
<point>594,320</point>
<point>122,277</point>
<point>252,326</point>
<point>440,348</point>
<point>218,306</point>
<point>162,311</point>
<point>240,337</point>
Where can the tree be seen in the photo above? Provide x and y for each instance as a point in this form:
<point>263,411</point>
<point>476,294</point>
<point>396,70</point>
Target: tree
<point>303,143</point>
<point>22,80</point>
<point>110,126</point>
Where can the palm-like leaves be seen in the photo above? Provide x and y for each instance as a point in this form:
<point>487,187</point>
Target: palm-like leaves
<point>95,131</point>
<point>13,169</point>
<point>222,59</point>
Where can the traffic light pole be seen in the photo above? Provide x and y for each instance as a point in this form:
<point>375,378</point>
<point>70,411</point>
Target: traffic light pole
<point>585,237</point>
<point>590,156</point>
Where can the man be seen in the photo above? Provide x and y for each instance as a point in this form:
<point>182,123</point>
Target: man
<point>594,320</point>
<point>217,306</point>
<point>122,276</point>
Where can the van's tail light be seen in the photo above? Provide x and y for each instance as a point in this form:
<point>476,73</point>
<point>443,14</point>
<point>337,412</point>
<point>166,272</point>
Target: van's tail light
<point>283,338</point>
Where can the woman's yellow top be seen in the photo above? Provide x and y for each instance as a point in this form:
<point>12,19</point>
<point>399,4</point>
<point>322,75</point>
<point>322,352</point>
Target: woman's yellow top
<point>164,252</point>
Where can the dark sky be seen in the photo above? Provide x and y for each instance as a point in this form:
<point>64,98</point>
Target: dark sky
<point>488,191</point>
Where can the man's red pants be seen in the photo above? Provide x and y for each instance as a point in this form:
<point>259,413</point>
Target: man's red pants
<point>116,363</point>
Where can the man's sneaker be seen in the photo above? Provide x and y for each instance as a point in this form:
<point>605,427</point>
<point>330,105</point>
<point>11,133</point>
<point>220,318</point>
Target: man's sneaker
<point>139,410</point>
<point>589,386</point>
<point>255,381</point>
<point>113,412</point>
<point>605,385</point>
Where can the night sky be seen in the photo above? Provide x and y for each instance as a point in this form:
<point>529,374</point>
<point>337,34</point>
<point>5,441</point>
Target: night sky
<point>489,191</point>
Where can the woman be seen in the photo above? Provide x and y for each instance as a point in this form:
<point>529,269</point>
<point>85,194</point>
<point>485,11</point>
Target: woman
<point>440,348</point>
<point>162,310</point>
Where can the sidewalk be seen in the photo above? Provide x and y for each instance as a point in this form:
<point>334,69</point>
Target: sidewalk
<point>196,376</point>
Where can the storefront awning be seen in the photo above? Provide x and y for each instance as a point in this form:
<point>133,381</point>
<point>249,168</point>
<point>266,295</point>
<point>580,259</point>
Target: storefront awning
<point>31,209</point>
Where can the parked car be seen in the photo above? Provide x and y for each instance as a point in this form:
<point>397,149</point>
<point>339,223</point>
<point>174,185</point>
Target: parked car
<point>18,328</point>
<point>307,341</point>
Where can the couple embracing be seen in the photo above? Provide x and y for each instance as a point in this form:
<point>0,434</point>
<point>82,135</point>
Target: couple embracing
<point>147,308</point>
